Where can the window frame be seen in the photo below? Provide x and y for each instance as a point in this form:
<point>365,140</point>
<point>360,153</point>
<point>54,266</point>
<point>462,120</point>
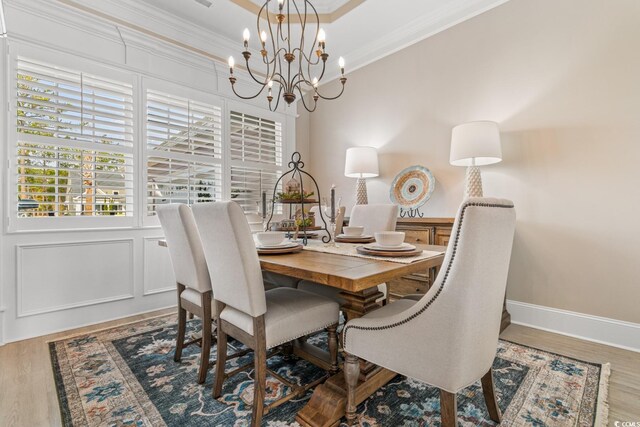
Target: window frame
<point>80,65</point>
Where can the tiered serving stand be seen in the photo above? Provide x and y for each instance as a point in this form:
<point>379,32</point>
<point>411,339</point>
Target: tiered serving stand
<point>296,172</point>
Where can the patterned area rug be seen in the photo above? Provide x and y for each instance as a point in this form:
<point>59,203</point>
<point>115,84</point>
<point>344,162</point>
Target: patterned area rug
<point>126,376</point>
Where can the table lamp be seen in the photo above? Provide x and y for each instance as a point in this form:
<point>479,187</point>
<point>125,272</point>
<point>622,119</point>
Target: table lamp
<point>475,144</point>
<point>361,163</point>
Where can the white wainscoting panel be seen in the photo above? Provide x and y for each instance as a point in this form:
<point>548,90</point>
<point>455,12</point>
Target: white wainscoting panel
<point>158,272</point>
<point>59,276</point>
<point>602,330</point>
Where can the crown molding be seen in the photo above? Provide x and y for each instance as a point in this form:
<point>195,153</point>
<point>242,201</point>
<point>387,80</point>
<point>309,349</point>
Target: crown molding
<point>130,37</point>
<point>154,23</point>
<point>104,29</point>
<point>447,16</point>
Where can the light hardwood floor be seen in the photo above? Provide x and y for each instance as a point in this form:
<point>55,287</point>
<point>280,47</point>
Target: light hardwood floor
<point>28,396</point>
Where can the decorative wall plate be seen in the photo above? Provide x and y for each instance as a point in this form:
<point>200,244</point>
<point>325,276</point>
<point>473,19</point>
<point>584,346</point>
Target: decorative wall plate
<point>412,187</point>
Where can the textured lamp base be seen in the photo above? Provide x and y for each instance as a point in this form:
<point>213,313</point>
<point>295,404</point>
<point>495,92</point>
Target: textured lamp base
<point>473,182</point>
<point>361,192</point>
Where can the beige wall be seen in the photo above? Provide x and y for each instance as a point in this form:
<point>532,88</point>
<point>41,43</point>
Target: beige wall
<point>563,80</point>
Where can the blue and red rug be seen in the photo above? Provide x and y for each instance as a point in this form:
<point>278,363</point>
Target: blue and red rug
<point>126,376</point>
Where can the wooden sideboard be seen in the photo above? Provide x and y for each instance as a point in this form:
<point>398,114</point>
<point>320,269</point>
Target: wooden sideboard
<point>429,231</point>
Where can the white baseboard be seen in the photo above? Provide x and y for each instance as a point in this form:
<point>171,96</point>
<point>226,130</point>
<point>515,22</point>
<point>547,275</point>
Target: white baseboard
<point>83,325</point>
<point>602,330</point>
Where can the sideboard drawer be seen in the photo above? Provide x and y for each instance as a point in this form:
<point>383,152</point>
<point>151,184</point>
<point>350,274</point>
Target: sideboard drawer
<point>418,236</point>
<point>442,235</point>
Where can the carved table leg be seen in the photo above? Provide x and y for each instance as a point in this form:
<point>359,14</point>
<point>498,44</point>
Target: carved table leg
<point>328,402</point>
<point>360,303</point>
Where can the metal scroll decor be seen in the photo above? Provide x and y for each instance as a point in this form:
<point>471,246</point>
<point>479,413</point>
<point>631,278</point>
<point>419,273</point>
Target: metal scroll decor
<point>299,197</point>
<point>411,189</point>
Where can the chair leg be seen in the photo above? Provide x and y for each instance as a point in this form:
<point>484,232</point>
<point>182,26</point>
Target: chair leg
<point>448,409</point>
<point>489,392</point>
<point>206,337</point>
<point>351,374</point>
<point>333,348</point>
<point>182,326</point>
<point>260,363</point>
<point>221,360</point>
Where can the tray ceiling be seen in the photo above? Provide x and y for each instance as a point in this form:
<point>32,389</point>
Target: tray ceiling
<point>361,31</point>
<point>322,6</point>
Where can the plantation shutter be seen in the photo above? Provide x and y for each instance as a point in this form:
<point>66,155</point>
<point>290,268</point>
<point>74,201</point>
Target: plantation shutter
<point>256,158</point>
<point>184,151</point>
<point>75,142</point>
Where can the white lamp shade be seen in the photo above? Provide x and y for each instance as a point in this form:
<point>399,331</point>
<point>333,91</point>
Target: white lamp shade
<point>361,162</point>
<point>475,143</point>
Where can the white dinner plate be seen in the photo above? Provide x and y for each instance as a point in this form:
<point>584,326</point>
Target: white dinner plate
<point>403,247</point>
<point>284,245</point>
<point>362,236</point>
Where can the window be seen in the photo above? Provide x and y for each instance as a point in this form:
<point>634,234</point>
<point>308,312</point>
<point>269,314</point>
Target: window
<point>184,151</point>
<point>256,158</point>
<point>96,146</point>
<point>74,147</point>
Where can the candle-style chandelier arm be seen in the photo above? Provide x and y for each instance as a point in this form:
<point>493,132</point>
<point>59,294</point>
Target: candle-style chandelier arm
<point>278,98</point>
<point>304,103</point>
<point>254,77</point>
<point>343,80</point>
<point>311,58</point>
<point>279,78</point>
<point>233,88</point>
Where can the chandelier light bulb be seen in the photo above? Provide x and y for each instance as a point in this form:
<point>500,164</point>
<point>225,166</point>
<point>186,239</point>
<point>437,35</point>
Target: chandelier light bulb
<point>270,84</point>
<point>341,62</point>
<point>246,35</point>
<point>315,82</point>
<point>322,36</point>
<point>263,37</point>
<point>232,63</point>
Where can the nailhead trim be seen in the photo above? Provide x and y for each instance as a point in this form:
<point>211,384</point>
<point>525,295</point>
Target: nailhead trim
<point>444,280</point>
<point>304,334</point>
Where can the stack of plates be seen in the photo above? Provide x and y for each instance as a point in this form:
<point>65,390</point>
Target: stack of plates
<point>404,250</point>
<point>282,248</point>
<point>354,239</point>
<point>401,248</point>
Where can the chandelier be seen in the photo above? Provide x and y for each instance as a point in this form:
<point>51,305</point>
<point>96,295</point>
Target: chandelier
<point>288,66</point>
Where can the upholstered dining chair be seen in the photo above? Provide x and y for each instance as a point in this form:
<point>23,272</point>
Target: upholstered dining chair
<point>259,319</point>
<point>374,218</point>
<point>192,278</point>
<point>448,338</point>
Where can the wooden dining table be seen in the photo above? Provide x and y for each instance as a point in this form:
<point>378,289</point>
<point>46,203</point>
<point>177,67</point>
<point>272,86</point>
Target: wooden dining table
<point>357,279</point>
